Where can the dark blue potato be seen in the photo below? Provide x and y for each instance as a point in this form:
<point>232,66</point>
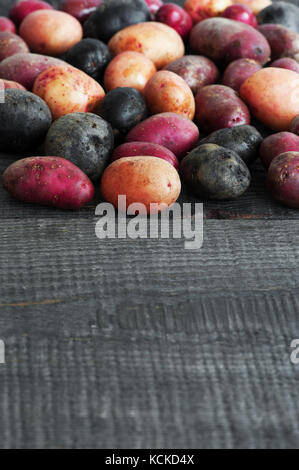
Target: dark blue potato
<point>113,15</point>
<point>24,121</point>
<point>90,55</point>
<point>214,172</point>
<point>123,107</point>
<point>282,13</point>
<point>83,138</point>
<point>243,140</point>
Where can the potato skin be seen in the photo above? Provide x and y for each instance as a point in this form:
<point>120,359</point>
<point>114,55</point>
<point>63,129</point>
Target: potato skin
<point>238,71</point>
<point>294,127</point>
<point>11,44</point>
<point>84,139</point>
<point>255,5</point>
<point>276,144</point>
<point>218,106</point>
<point>67,90</point>
<point>129,69</point>
<point>214,172</point>
<point>282,13</point>
<point>50,181</point>
<point>50,32</point>
<point>24,67</point>
<point>243,140</point>
<point>283,179</point>
<point>6,84</point>
<point>224,40</point>
<point>286,63</point>
<point>171,130</point>
<point>197,71</point>
<point>147,180</point>
<point>283,41</point>
<point>133,149</point>
<point>25,120</point>
<point>168,92</point>
<point>157,41</point>
<point>200,10</point>
<point>272,96</point>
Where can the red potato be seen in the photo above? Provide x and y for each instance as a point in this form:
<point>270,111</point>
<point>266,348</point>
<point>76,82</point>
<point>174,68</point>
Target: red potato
<point>50,181</point>
<point>176,17</point>
<point>276,144</point>
<point>286,63</point>
<point>142,180</point>
<point>272,95</point>
<point>7,25</point>
<point>239,12</point>
<point>171,130</point>
<point>294,127</point>
<point>66,90</point>
<point>167,92</point>
<point>218,107</point>
<point>255,5</point>
<point>6,84</point>
<point>238,71</point>
<point>197,71</point>
<point>200,10</point>
<point>158,42</point>
<point>24,67</point>
<point>129,69</point>
<point>80,9</point>
<point>224,40</point>
<point>283,41</point>
<point>50,32</point>
<point>133,149</point>
<point>283,179</point>
<point>23,8</point>
<point>11,44</point>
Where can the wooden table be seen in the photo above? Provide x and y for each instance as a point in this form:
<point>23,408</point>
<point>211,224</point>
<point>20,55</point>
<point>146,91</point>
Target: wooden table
<point>143,344</point>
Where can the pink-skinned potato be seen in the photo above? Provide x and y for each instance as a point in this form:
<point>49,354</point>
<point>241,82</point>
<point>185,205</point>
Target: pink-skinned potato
<point>272,95</point>
<point>286,63</point>
<point>23,68</point>
<point>238,71</point>
<point>175,132</point>
<point>283,179</point>
<point>133,149</point>
<point>218,107</point>
<point>255,5</point>
<point>294,127</point>
<point>50,181</point>
<point>6,84</point>
<point>283,41</point>
<point>142,180</point>
<point>276,144</point>
<point>224,40</point>
<point>11,44</point>
<point>66,90</point>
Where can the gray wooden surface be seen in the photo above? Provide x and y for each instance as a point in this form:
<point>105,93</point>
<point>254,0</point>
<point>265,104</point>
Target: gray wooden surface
<point>143,344</point>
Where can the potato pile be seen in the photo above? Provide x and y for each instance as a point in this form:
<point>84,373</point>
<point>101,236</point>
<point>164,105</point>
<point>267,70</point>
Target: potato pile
<point>139,96</point>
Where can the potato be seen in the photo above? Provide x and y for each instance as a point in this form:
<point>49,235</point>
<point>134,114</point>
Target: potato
<point>83,138</point>
<point>67,90</point>
<point>6,84</point>
<point>7,25</point>
<point>273,97</point>
<point>145,180</point>
<point>238,71</point>
<point>218,106</point>
<point>282,13</point>
<point>129,69</point>
<point>255,5</point>
<point>24,68</point>
<point>197,71</point>
<point>11,44</point>
<point>286,63</point>
<point>168,92</point>
<point>50,32</point>
<point>50,181</point>
<point>202,9</point>
<point>133,149</point>
<point>25,120</point>
<point>276,144</point>
<point>283,179</point>
<point>243,140</point>
<point>224,40</point>
<point>171,130</point>
<point>80,9</point>
<point>283,41</point>
<point>158,42</point>
<point>294,127</point>
<point>22,8</point>
<point>214,172</point>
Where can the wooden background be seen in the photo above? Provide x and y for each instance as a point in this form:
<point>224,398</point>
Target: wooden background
<point>143,344</point>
